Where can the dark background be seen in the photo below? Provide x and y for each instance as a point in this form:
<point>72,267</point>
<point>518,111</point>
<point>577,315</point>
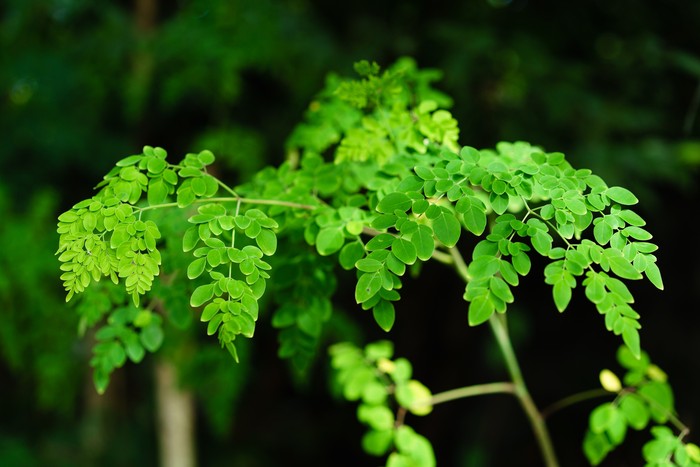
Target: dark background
<point>614,85</point>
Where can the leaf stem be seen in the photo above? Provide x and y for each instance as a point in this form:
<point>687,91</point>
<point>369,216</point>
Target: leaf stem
<point>234,199</point>
<point>459,264</point>
<point>233,243</point>
<point>471,391</point>
<point>574,399</point>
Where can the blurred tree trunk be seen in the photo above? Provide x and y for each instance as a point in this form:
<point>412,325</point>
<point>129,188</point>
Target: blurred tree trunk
<point>93,430</point>
<point>175,418</point>
<point>174,406</point>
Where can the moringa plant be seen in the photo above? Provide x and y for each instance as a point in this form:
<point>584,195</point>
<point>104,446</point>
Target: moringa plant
<point>375,184</point>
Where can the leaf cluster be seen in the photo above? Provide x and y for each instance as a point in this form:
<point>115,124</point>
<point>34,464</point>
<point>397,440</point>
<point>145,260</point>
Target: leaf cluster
<point>645,400</point>
<point>382,385</point>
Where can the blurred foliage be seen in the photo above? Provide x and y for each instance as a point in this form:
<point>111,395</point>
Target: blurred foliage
<point>615,85</point>
<point>44,359</point>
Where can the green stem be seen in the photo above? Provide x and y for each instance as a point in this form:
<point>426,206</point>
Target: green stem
<point>574,399</point>
<point>500,330</point>
<point>233,199</point>
<point>459,264</point>
<point>470,391</point>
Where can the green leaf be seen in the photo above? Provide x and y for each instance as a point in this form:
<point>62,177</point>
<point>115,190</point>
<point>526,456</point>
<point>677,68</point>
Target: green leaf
<point>157,191</point>
<point>561,293</point>
<point>206,157</point>
<point>404,250</point>
<point>89,221</point>
<point>499,203</point>
<point>631,362</point>
<point>201,295</point>
<point>637,233</point>
<point>447,228</point>
<point>394,265</point>
<point>214,324</point>
<point>658,451</point>
<point>635,411</point>
<point>384,315</point>
<point>367,286</point>
<point>484,266</point>
<point>422,239</point>
<point>185,196</point>
<point>329,240</point>
<point>214,257</point>
<point>693,451</point>
<point>130,160</point>
<point>619,288</point>
<point>354,227</point>
<point>380,242</point>
<point>377,443</point>
<point>601,417</point>
<point>134,349</point>
<point>621,195</point>
<point>196,268</point>
<point>350,254</point>
<point>508,273</point>
<point>654,275</point>
<point>399,460</point>
<point>209,311</point>
<point>267,241</point>
<point>384,221</point>
<point>415,446</point>
<point>473,216</point>
<point>602,232</point>
<point>631,338</point>
<point>379,349</point>
<point>419,400</point>
<point>379,417</point>
<point>100,379</point>
<point>521,263</point>
<point>659,398</point>
<point>621,266</point>
<point>595,288</point>
<point>576,206</point>
<point>410,183</point>
<point>480,310</point>
<point>119,236</point>
<point>500,289</point>
<point>424,172</point>
<point>542,242</point>
<point>393,202</point>
<point>152,337</point>
<point>596,447</point>
<point>199,186</point>
<point>617,428</point>
<point>155,165</point>
<point>368,265</point>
